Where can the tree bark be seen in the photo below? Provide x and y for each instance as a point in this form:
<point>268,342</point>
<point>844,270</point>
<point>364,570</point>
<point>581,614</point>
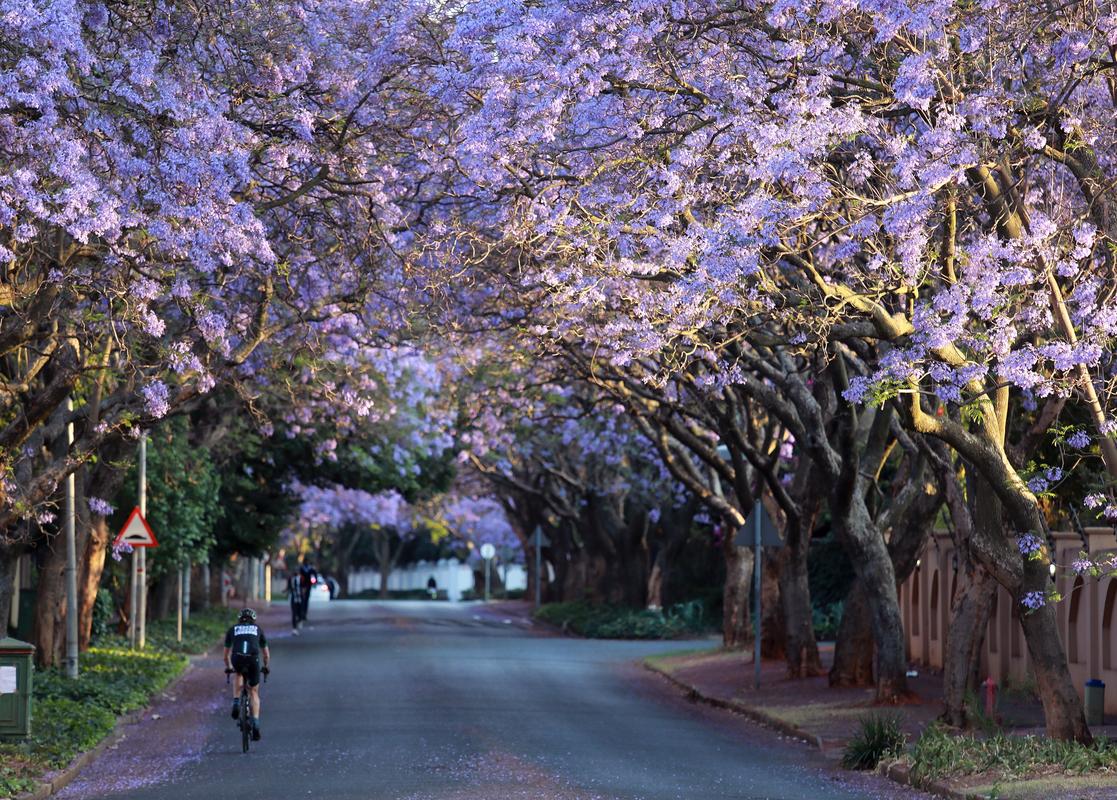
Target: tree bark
<point>93,567</point>
<point>50,605</point>
<point>736,628</point>
<point>803,660</point>
<point>773,627</point>
<point>9,561</point>
<point>969,618</point>
<point>656,578</point>
<point>854,648</point>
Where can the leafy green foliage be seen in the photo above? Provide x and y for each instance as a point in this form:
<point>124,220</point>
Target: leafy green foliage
<point>102,614</point>
<point>613,622</point>
<point>939,754</point>
<point>880,737</point>
<point>182,497</point>
<point>72,716</point>
<point>826,620</point>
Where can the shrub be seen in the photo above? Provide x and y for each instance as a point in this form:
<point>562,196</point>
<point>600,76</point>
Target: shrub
<point>826,620</point>
<point>938,754</point>
<point>71,716</point>
<point>614,622</point>
<point>102,615</point>
<point>880,737</point>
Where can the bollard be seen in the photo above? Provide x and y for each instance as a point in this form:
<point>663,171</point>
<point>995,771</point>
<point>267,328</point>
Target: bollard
<point>1095,702</point>
<point>990,697</point>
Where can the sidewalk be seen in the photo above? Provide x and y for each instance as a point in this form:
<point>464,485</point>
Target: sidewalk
<point>827,718</point>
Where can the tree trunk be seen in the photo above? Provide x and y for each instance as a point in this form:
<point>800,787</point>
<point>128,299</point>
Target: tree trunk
<point>385,571</point>
<point>92,567</point>
<point>9,562</point>
<point>656,579</point>
<point>736,629</point>
<point>773,628</point>
<point>969,618</point>
<point>853,651</point>
<point>50,605</point>
<point>1062,707</point>
<point>206,598</point>
<point>803,660</point>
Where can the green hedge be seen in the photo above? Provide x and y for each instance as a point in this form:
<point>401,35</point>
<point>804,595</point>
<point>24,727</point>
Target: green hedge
<point>402,594</point>
<point>72,716</point>
<point>614,622</point>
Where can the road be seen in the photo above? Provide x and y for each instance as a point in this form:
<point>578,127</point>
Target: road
<point>433,701</point>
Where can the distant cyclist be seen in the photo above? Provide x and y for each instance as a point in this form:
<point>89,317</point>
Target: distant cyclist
<point>245,643</point>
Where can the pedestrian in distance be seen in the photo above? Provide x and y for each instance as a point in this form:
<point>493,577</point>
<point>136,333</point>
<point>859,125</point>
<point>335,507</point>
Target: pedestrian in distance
<point>308,577</point>
<point>432,587</point>
<point>295,599</point>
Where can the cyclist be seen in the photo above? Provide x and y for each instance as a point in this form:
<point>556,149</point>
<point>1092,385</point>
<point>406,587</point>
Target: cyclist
<point>245,642</point>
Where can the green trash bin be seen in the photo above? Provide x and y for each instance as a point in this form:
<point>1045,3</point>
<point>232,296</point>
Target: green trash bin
<point>1095,702</point>
<point>15,689</point>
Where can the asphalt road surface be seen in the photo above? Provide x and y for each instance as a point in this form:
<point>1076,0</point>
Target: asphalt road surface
<point>433,701</point>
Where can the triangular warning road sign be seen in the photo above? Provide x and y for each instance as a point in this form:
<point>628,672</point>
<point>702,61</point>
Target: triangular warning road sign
<point>136,532</point>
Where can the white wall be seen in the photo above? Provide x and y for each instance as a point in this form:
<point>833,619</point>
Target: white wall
<point>452,577</point>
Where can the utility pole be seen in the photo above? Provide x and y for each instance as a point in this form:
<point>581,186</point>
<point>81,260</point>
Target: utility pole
<point>756,579</point>
<point>71,561</point>
<point>186,580</point>
<point>140,557</point>
<point>178,615</point>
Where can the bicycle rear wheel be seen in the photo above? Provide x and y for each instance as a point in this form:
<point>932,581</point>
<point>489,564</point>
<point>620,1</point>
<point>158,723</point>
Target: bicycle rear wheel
<point>245,721</point>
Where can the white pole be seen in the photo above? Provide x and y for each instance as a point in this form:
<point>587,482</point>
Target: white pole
<point>178,615</point>
<point>756,578</point>
<point>141,588</point>
<point>267,582</point>
<point>186,592</point>
<point>133,598</point>
<point>71,563</point>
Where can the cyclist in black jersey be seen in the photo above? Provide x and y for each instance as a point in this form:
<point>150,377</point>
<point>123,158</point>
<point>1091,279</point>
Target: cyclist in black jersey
<point>245,643</point>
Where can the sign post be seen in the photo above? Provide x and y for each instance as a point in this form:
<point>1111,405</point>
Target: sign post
<point>758,532</point>
<point>487,553</point>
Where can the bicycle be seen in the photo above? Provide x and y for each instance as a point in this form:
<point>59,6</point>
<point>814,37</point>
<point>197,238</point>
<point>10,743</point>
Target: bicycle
<point>245,712</point>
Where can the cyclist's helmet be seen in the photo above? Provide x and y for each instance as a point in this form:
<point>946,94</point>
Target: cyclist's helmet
<point>247,615</point>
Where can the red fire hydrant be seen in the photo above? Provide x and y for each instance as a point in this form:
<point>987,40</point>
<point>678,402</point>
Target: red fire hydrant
<point>990,696</point>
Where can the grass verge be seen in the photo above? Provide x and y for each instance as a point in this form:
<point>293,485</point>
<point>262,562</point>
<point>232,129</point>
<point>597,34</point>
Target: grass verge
<point>938,754</point>
<point>72,716</point>
<point>614,622</point>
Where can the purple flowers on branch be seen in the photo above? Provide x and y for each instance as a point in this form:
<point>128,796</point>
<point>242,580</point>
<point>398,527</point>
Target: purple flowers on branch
<point>1031,546</point>
<point>156,399</point>
<point>100,507</point>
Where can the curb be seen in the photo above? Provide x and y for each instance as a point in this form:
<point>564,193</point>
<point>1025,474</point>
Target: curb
<point>756,715</point>
<point>901,774</point>
<point>66,775</point>
<point>898,772</point>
